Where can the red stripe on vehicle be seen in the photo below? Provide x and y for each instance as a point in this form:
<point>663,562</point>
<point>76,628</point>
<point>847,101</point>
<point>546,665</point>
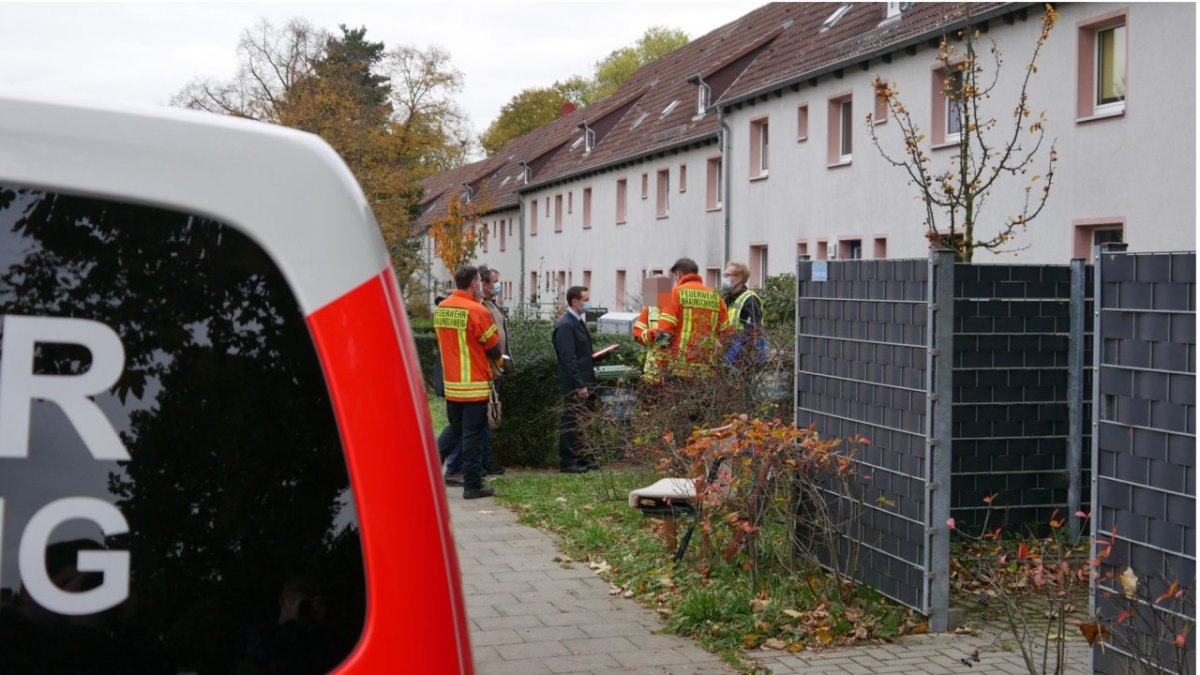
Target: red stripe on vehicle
<point>416,620</point>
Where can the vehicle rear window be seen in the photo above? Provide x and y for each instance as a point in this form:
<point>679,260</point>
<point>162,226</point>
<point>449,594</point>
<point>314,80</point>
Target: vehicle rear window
<point>173,493</point>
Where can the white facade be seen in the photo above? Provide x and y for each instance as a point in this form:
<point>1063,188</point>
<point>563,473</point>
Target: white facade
<point>1133,168</point>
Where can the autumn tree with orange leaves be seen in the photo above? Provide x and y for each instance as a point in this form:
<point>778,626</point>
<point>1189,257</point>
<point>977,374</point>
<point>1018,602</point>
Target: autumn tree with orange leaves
<point>458,233</point>
<point>389,114</point>
<point>986,151</point>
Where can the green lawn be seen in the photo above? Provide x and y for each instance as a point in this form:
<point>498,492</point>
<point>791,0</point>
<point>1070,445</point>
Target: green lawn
<point>701,597</point>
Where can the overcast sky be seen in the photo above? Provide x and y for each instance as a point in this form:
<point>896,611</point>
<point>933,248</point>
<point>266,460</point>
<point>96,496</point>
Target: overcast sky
<point>146,52</point>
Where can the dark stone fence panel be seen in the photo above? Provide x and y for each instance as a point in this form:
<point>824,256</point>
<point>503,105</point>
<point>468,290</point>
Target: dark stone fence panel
<point>1145,488</point>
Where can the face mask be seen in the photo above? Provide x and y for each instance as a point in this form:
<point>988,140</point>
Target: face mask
<point>587,307</point>
<point>726,285</point>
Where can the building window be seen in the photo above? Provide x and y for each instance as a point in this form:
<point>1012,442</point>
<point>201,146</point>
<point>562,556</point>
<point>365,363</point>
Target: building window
<point>954,101</point>
<point>822,249</point>
<point>759,144</point>
<point>850,249</point>
<point>1110,67</point>
<point>587,208</point>
<point>683,177</point>
<point>946,122</point>
<point>758,265</point>
<point>558,215</point>
<point>703,93</point>
<point>880,248</point>
<point>561,286</point>
<point>533,287</point>
<point>503,232</point>
<point>620,288</point>
<point>841,125</point>
<point>802,123</point>
<point>485,238</point>
<point>621,185</point>
<point>881,110</point>
<point>587,279</point>
<point>712,277</point>
<point>571,202</point>
<point>645,185</point>
<point>662,194</point>
<point>533,216</point>
<point>547,207</point>
<point>1092,233</point>
<point>713,198</point>
<point>1101,77</point>
<point>801,248</point>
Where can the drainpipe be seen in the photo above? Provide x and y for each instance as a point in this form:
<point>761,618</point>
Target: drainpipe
<point>525,175</point>
<point>727,201</point>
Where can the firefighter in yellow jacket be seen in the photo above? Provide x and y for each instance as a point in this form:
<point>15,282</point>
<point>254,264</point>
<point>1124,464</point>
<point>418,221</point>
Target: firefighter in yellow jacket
<point>468,342</point>
<point>691,323</point>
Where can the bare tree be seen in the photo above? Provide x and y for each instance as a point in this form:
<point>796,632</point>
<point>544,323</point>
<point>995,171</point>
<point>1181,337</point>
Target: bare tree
<point>986,151</point>
<point>424,83</point>
<point>271,61</point>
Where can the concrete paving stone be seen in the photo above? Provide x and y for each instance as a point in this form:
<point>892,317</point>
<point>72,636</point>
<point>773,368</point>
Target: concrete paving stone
<point>532,650</point>
<point>489,599</point>
<point>605,630</point>
<point>561,584</point>
<point>570,619</point>
<point>574,604</point>
<point>627,611</point>
<point>527,608</point>
<point>651,657</point>
<point>558,572</point>
<point>486,638</point>
<point>561,633</point>
<point>515,587</point>
<point>513,622</point>
<point>501,667</point>
<point>587,645</point>
<point>583,663</point>
<point>531,576</point>
<point>653,642</point>
<point>482,612</point>
<point>476,578</point>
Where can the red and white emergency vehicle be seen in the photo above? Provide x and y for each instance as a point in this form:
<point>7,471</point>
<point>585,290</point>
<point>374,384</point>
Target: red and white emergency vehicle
<point>215,450</point>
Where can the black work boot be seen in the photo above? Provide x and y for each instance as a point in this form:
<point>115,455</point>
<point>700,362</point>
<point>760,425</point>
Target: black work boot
<point>479,492</point>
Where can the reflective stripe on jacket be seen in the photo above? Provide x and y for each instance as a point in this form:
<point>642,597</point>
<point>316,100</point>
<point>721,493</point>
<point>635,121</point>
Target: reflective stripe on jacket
<point>644,330</point>
<point>465,330</point>
<point>695,317</point>
<point>735,312</point>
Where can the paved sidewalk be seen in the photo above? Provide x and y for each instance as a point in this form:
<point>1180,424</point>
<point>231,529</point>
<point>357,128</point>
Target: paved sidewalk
<point>530,615</point>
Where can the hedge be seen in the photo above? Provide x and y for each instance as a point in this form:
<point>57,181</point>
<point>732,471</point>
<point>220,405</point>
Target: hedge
<point>528,435</point>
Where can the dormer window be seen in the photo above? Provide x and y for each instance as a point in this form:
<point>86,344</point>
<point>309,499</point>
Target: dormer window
<point>468,193</point>
<point>895,9</point>
<point>526,173</point>
<point>703,96</point>
<point>640,118</point>
<point>834,18</point>
<point>672,106</point>
<point>588,138</point>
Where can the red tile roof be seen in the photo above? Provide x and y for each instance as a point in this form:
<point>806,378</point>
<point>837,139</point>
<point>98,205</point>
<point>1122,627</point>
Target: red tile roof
<point>772,47</point>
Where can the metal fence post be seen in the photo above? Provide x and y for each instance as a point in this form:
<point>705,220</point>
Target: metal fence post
<point>940,425</point>
<point>1075,395</point>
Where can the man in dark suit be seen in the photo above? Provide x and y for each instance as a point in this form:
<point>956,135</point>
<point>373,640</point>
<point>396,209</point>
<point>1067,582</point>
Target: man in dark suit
<point>576,379</point>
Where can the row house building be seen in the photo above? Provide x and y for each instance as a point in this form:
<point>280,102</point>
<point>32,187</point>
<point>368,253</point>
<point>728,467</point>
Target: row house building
<point>751,143</point>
